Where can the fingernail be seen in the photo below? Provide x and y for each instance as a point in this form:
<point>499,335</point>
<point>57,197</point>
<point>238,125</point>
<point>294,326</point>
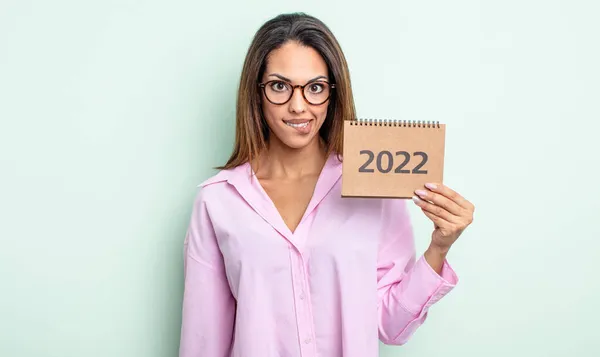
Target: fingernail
<point>421,193</point>
<point>431,186</point>
<point>416,199</point>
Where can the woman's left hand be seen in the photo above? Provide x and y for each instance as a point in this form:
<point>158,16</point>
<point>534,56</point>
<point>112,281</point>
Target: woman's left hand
<point>450,213</point>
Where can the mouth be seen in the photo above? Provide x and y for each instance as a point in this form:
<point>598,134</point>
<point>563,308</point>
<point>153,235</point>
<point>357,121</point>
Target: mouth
<point>302,125</point>
<point>297,125</point>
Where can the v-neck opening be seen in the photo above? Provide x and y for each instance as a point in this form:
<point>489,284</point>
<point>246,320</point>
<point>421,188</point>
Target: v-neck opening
<point>318,194</point>
<point>273,207</point>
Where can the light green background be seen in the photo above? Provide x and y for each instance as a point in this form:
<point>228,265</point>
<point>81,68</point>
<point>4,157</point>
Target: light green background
<point>111,112</point>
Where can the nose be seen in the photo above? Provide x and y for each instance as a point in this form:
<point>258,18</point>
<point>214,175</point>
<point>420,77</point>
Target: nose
<point>297,103</point>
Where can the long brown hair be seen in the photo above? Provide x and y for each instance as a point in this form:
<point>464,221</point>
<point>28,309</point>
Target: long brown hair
<point>252,132</point>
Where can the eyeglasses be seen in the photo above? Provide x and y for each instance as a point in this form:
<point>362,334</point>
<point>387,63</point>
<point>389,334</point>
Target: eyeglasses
<point>280,92</point>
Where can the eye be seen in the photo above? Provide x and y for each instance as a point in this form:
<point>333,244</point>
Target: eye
<point>316,88</point>
<point>278,86</point>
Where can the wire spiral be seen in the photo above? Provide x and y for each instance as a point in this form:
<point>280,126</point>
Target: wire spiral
<point>395,123</point>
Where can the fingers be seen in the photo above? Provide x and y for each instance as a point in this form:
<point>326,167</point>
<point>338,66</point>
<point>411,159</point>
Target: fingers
<point>440,201</point>
<point>434,210</point>
<point>451,195</point>
<point>437,220</point>
<point>448,210</point>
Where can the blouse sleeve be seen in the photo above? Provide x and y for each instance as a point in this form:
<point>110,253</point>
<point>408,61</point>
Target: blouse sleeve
<point>208,305</point>
<point>407,287</point>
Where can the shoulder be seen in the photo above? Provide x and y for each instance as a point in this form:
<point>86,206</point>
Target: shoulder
<point>219,178</point>
<point>212,187</point>
<point>217,185</point>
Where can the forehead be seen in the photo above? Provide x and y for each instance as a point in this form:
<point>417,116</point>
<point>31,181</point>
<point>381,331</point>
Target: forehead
<point>296,62</point>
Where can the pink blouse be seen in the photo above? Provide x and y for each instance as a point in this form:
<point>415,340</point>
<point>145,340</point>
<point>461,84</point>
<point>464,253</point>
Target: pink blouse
<point>344,279</point>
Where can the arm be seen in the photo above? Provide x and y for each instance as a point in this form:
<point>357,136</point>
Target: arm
<point>208,306</point>
<point>407,287</point>
<point>436,258</point>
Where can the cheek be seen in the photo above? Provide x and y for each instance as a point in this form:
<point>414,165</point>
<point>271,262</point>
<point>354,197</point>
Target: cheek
<point>272,112</point>
<point>322,112</point>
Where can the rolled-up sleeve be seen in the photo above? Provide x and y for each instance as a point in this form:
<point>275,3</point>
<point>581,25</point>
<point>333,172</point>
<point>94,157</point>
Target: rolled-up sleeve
<point>407,287</point>
<point>208,309</point>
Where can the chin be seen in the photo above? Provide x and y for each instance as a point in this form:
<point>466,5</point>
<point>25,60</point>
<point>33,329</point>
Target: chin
<point>298,143</point>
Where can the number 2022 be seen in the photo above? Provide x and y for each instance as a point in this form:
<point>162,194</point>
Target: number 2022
<point>390,162</point>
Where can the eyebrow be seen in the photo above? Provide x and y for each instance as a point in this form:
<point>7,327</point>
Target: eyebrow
<point>289,80</point>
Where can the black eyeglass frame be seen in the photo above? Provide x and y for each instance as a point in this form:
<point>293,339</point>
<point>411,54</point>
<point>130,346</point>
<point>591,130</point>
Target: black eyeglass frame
<point>264,85</point>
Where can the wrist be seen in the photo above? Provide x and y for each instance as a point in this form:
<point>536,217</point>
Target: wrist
<point>435,257</point>
<point>438,250</point>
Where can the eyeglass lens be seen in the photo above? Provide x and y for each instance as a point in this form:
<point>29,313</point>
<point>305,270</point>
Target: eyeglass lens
<point>280,92</point>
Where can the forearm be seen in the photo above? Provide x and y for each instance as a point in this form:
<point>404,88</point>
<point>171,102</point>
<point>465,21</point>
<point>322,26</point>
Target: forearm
<point>435,257</point>
<point>404,303</point>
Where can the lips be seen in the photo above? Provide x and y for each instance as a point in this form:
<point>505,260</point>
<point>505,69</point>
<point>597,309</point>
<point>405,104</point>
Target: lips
<point>302,125</point>
<point>297,125</point>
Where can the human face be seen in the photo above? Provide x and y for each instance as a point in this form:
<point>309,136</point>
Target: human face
<point>295,123</point>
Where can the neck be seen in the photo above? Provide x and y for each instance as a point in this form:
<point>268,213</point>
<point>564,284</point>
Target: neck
<point>281,161</point>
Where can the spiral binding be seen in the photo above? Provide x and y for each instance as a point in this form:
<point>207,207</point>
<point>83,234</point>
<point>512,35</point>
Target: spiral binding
<point>398,123</point>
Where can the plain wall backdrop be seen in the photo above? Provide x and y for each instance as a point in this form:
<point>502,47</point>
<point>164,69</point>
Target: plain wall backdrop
<point>111,112</point>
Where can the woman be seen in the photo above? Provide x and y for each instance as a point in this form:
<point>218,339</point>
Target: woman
<point>276,262</point>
